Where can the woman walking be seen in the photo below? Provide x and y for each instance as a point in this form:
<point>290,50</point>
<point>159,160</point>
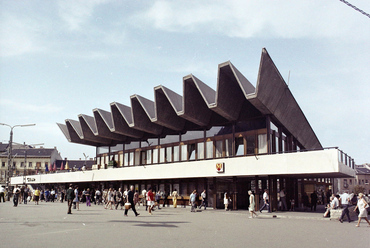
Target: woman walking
<point>110,199</point>
<point>252,204</point>
<point>362,206</point>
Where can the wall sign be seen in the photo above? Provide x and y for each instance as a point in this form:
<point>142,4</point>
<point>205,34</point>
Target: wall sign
<point>220,167</point>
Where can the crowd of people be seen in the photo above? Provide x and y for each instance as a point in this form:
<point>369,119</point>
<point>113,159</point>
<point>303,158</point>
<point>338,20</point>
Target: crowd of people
<point>131,199</point>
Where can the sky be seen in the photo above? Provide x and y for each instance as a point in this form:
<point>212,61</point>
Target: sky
<point>59,59</point>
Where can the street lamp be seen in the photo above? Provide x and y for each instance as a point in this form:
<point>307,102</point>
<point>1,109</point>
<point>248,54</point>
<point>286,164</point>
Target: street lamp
<point>10,159</point>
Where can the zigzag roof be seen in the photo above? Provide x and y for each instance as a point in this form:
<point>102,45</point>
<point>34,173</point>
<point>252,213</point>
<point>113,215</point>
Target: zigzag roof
<point>200,107</point>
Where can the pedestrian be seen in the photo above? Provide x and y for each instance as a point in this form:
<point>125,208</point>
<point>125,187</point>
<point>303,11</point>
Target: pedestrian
<point>136,199</point>
<point>362,206</point>
<point>203,195</point>
<point>16,193</point>
<point>47,195</point>
<point>70,198</point>
<point>252,204</point>
<point>345,199</point>
<point>226,201</point>
<point>25,194</point>
<point>193,199</point>
<point>130,199</point>
<point>62,195</point>
<point>76,200</point>
<point>97,196</point>
<point>174,198</point>
<point>158,197</point>
<point>92,196</point>
<point>2,193</point>
<point>119,198</point>
<point>166,194</point>
<point>42,195</point>
<point>150,200</point>
<point>87,195</point>
<point>52,195</point>
<point>305,201</point>
<point>37,196</point>
<point>110,200</point>
<point>266,203</point>
<point>292,204</point>
<point>282,194</point>
<point>313,201</point>
<point>143,199</point>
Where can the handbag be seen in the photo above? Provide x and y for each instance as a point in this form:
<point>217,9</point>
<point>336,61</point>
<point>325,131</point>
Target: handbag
<point>127,205</point>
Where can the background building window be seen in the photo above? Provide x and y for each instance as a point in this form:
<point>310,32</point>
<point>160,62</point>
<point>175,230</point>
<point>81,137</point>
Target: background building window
<point>3,164</point>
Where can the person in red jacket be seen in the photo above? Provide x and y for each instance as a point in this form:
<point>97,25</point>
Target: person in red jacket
<point>150,200</point>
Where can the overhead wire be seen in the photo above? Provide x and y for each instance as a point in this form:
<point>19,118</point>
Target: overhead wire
<point>354,7</point>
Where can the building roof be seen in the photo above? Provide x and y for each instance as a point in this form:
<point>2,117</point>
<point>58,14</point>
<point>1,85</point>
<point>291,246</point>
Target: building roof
<point>34,152</point>
<point>200,107</point>
<point>3,147</point>
<point>362,170</point>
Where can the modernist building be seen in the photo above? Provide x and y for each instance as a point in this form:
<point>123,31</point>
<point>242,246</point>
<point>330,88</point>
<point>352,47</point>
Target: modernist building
<point>231,139</point>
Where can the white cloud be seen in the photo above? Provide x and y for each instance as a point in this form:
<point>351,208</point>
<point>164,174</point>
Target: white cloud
<point>239,18</point>
<point>19,35</point>
<point>76,13</point>
<point>27,107</point>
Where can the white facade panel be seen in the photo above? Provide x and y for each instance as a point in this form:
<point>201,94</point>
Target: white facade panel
<point>303,164</point>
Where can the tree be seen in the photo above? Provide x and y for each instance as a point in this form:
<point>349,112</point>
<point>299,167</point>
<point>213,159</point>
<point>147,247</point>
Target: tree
<point>359,189</point>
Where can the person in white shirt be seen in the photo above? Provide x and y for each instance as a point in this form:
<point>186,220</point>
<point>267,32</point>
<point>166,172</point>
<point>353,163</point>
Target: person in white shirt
<point>345,198</point>
<point>265,202</point>
<point>2,193</point>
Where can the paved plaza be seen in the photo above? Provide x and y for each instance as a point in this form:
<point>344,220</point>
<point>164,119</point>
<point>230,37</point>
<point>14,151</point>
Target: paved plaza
<point>49,225</point>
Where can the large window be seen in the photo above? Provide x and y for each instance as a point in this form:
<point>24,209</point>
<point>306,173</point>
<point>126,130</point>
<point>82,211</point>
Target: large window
<point>219,149</point>
<point>191,151</point>
<point>162,155</point>
<point>228,147</point>
<point>169,154</point>
<point>262,143</point>
<point>251,144</point>
<point>209,149</point>
<point>200,150</point>
<point>184,152</point>
<point>155,156</point>
<point>149,156</point>
<point>239,146</point>
<point>176,153</point>
<point>30,164</point>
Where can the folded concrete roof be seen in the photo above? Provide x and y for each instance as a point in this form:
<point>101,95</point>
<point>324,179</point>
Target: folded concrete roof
<point>200,107</point>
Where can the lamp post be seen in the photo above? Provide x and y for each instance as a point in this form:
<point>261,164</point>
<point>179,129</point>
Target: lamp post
<point>10,158</point>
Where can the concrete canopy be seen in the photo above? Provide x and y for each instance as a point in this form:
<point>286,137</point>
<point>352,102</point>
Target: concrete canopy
<point>199,108</point>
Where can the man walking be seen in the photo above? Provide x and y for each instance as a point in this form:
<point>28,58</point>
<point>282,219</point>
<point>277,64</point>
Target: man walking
<point>16,193</point>
<point>70,196</point>
<point>130,199</point>
<point>204,200</point>
<point>345,198</point>
<point>265,202</point>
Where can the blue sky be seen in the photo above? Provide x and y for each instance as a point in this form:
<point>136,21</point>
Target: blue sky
<point>59,59</point>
